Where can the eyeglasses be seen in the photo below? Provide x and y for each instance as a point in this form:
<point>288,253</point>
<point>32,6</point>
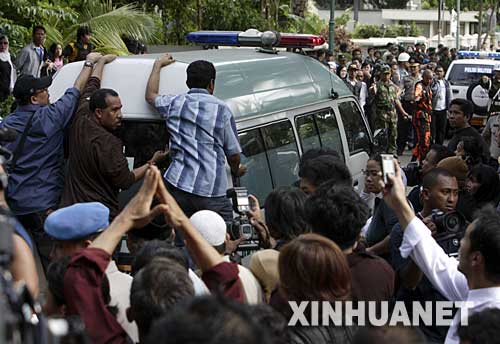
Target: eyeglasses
<point>372,173</point>
<point>4,43</point>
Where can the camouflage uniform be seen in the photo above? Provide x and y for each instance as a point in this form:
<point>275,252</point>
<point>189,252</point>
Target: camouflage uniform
<point>385,111</point>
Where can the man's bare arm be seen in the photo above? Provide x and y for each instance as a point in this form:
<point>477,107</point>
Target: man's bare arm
<point>153,85</point>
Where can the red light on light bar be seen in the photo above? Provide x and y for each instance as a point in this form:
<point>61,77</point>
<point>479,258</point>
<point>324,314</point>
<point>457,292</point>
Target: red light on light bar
<point>290,40</point>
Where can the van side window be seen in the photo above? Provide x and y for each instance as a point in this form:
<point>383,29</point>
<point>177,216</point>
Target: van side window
<point>271,156</point>
<point>354,126</point>
<point>142,138</point>
<point>319,130</point>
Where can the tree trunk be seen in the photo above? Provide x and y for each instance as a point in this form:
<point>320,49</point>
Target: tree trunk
<point>480,25</point>
<point>199,14</point>
<point>490,20</point>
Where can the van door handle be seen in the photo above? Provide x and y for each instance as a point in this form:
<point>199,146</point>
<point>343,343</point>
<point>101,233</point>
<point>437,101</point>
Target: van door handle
<point>455,91</point>
<point>356,183</point>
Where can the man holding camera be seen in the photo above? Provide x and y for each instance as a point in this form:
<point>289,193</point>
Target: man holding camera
<point>439,192</point>
<point>202,134</point>
<point>475,277</point>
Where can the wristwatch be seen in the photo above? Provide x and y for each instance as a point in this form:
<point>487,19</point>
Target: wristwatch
<point>88,64</point>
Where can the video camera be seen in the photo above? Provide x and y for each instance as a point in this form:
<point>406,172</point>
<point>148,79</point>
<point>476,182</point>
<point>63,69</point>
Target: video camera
<point>451,228</point>
<point>241,225</point>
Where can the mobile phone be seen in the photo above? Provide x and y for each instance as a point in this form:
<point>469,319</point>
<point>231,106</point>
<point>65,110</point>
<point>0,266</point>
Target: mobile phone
<point>387,166</point>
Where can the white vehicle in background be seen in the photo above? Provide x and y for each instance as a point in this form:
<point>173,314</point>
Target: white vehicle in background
<point>464,76</point>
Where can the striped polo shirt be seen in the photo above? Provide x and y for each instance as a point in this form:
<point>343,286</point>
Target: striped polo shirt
<point>202,133</point>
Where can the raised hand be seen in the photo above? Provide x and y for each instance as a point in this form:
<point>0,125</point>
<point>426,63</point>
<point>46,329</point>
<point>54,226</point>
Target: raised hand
<point>94,57</point>
<point>165,60</point>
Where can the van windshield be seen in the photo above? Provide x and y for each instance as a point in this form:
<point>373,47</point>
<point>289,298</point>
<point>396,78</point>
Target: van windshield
<point>467,74</point>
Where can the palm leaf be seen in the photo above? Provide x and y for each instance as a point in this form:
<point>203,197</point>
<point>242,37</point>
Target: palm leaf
<point>109,43</point>
<point>104,19</point>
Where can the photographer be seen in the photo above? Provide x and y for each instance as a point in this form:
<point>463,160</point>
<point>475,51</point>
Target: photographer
<point>415,173</point>
<point>284,220</point>
<point>475,278</point>
<point>439,191</point>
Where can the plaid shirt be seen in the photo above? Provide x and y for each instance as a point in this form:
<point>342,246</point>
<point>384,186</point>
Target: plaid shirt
<point>202,132</point>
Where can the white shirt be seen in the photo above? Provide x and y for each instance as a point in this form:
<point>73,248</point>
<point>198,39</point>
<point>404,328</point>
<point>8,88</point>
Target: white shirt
<point>441,97</point>
<point>119,290</point>
<point>363,94</point>
<point>442,272</point>
<point>199,286</point>
<point>251,286</point>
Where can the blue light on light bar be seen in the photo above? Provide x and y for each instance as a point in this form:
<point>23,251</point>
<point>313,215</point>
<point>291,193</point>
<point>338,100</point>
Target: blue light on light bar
<point>479,54</point>
<point>214,37</point>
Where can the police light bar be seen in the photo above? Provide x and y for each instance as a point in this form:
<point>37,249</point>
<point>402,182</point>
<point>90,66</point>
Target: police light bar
<point>479,54</point>
<point>255,38</point>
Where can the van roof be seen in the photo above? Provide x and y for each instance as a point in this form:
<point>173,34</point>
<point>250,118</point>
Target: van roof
<point>252,83</point>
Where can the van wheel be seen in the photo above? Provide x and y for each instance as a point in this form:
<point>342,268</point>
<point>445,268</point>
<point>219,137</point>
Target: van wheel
<point>478,96</point>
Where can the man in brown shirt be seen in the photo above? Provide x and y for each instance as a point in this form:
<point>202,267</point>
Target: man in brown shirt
<point>97,167</point>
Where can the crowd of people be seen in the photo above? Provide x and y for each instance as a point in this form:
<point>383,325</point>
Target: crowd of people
<point>404,91</point>
<point>319,239</point>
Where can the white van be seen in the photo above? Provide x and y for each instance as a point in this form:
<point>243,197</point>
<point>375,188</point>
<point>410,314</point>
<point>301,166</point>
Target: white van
<point>283,103</point>
<point>464,76</point>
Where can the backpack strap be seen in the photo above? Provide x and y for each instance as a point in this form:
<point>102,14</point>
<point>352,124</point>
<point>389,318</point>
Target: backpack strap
<point>22,141</point>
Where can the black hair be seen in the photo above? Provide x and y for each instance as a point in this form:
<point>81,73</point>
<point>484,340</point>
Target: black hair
<point>38,27</point>
<point>473,150</point>
<point>482,328</point>
<point>324,168</point>
<point>337,212</point>
<point>485,238</point>
<point>55,279</point>
<point>389,334</point>
<point>489,191</point>
<point>273,321</point>
<point>52,49</point>
<point>210,320</point>
<point>3,36</point>
<point>82,31</point>
<point>157,248</point>
<point>55,283</point>
<point>465,106</point>
<point>156,289</point>
<point>98,98</point>
<point>200,73</point>
<point>315,152</point>
<point>432,177</point>
<point>284,212</point>
<point>442,152</point>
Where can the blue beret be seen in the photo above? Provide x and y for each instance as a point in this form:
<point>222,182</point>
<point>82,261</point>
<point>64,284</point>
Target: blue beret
<point>77,221</point>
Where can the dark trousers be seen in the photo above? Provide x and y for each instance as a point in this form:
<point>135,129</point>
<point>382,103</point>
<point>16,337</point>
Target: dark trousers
<point>33,223</point>
<point>405,127</point>
<point>438,126</point>
<point>191,203</point>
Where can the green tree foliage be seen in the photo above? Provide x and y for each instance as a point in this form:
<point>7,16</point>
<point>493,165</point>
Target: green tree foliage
<point>232,15</point>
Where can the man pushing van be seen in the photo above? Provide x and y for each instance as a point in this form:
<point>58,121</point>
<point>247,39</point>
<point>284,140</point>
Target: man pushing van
<point>202,133</point>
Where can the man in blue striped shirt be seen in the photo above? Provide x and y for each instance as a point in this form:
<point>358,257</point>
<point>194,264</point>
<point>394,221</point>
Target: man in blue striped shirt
<point>202,134</point>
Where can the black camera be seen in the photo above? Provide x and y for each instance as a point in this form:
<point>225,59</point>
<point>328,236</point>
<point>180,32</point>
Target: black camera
<point>452,222</point>
<point>450,230</point>
<point>240,226</point>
